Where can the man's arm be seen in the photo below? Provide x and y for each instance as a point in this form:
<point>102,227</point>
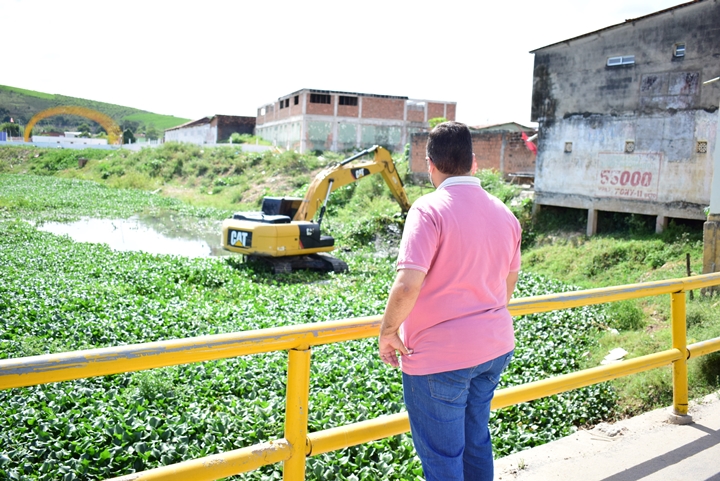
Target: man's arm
<point>403,294</point>
<point>510,282</point>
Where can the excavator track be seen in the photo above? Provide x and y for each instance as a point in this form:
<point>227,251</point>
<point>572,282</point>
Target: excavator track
<point>318,262</point>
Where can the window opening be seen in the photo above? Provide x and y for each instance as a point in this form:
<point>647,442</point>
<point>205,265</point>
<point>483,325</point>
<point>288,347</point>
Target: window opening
<point>617,61</point>
<point>319,99</point>
<point>297,99</point>
<point>679,50</point>
<point>345,100</point>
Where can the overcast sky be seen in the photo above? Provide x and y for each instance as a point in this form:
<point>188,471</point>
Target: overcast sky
<point>192,59</point>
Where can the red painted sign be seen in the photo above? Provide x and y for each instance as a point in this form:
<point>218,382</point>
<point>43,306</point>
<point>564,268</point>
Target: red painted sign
<point>629,176</point>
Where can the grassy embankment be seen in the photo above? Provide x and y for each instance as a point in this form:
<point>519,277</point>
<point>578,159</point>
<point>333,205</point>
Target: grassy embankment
<point>90,297</point>
<point>22,104</point>
<point>627,251</point>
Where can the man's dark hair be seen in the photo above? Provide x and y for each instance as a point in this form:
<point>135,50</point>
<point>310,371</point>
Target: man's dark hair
<point>449,147</point>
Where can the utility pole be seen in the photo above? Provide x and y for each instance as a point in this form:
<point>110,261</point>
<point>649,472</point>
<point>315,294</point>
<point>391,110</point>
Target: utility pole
<point>711,228</point>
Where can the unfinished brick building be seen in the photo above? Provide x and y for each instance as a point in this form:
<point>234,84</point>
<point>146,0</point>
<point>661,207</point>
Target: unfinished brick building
<point>310,119</point>
<point>499,147</point>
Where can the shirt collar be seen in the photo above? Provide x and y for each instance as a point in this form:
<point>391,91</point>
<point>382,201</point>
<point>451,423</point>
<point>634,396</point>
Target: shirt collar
<point>460,180</point>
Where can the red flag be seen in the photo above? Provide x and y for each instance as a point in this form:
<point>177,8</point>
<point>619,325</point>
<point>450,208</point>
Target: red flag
<point>528,143</point>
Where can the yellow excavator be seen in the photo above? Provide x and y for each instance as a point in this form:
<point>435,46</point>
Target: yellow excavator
<point>285,235</point>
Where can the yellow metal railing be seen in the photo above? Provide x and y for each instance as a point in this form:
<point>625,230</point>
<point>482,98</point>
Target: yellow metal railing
<point>297,444</point>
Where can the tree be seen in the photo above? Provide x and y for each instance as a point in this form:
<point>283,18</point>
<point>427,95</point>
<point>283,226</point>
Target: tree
<point>11,129</point>
<point>130,125</point>
<point>128,137</point>
<point>84,130</point>
<point>437,120</point>
<point>151,132</point>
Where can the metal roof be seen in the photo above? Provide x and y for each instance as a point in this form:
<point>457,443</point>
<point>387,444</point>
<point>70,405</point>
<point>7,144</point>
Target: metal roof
<point>201,121</point>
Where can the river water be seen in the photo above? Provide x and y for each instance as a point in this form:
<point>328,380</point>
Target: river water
<point>164,234</point>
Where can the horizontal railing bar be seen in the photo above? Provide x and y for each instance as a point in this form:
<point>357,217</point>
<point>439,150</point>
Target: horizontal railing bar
<point>48,368</point>
<point>217,466</point>
<point>566,300</point>
<point>381,427</point>
<point>384,426</point>
<point>28,371</point>
<point>704,347</point>
<point>341,437</point>
<point>567,382</point>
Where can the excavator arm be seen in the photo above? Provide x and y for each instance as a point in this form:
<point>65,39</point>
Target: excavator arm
<point>285,243</point>
<point>346,172</point>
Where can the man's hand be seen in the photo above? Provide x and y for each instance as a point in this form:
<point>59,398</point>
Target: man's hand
<point>403,295</point>
<point>390,347</point>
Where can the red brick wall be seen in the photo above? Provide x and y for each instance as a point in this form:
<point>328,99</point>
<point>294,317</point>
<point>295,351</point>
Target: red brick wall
<point>321,109</point>
<point>435,110</point>
<point>296,109</point>
<point>268,117</point>
<point>450,112</point>
<point>518,158</point>
<point>487,147</point>
<point>348,110</point>
<point>416,115</point>
<point>283,113</point>
<point>417,153</point>
<point>380,108</point>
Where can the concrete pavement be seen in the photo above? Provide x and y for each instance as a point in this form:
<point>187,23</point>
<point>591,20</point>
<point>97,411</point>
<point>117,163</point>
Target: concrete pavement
<point>646,447</point>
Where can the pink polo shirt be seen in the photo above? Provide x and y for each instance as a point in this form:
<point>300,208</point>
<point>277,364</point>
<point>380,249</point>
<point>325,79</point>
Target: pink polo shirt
<point>467,242</point>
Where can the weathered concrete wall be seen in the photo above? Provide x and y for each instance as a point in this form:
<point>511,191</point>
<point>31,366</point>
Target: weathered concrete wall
<point>572,77</point>
<point>630,138</point>
<point>583,163</point>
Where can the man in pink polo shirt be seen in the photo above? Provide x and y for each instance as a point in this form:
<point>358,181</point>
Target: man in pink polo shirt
<point>446,322</point>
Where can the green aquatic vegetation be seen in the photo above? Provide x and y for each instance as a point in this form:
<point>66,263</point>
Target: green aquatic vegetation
<point>42,198</point>
<point>55,297</point>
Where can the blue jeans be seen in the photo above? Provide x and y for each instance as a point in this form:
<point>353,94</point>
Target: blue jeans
<point>449,414</point>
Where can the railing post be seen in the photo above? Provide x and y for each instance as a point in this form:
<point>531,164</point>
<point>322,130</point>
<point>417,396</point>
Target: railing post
<point>680,376</point>
<point>296,412</point>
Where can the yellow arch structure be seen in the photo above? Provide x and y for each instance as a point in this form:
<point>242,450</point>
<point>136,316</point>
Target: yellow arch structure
<point>110,126</point>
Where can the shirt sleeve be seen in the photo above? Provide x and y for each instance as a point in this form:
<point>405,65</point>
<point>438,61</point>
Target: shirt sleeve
<point>419,242</point>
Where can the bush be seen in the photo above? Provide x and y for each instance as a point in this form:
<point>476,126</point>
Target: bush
<point>625,315</point>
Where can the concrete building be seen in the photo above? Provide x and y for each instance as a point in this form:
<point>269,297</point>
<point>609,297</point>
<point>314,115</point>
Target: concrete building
<point>210,130</point>
<point>327,120</point>
<point>498,146</point>
<point>625,121</point>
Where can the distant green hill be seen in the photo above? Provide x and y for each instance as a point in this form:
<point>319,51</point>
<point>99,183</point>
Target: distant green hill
<point>20,105</point>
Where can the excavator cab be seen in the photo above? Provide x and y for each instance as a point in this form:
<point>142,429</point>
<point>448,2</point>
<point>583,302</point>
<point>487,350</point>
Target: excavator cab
<point>281,206</point>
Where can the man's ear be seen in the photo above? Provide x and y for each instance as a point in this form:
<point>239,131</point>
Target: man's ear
<point>474,166</point>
